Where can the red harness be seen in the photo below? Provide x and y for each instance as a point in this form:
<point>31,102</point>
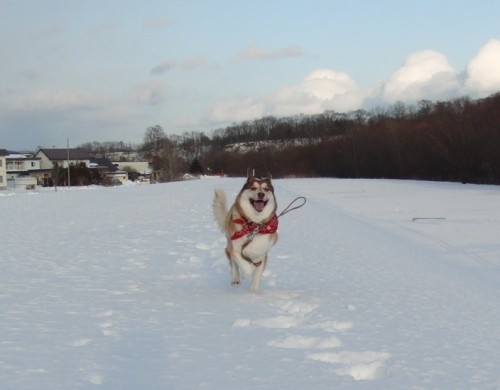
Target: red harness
<point>252,228</point>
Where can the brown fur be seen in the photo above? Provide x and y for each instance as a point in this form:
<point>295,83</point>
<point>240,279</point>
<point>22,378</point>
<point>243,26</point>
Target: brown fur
<point>255,203</point>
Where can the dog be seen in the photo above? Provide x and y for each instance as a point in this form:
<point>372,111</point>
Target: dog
<point>250,226</point>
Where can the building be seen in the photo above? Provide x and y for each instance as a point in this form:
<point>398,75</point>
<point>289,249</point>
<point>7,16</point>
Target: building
<point>26,171</point>
<point>19,168</point>
<point>108,169</point>
<point>49,158</point>
<point>139,171</point>
<point>3,169</point>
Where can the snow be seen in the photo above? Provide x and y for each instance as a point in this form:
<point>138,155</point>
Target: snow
<point>373,284</point>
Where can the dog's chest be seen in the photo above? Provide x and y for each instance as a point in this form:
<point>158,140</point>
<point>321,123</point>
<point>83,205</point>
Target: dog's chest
<point>258,246</point>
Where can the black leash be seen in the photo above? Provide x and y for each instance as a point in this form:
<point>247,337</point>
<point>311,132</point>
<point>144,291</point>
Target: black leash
<point>289,208</point>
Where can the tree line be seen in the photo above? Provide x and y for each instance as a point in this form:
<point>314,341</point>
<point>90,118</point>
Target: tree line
<point>456,140</point>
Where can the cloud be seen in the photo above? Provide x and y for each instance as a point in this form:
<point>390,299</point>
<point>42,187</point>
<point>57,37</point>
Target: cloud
<point>48,113</point>
<point>109,25</point>
<point>238,109</point>
<point>256,52</point>
<point>158,23</point>
<point>150,94</point>
<point>56,101</point>
<point>325,84</point>
<point>48,31</point>
<point>194,63</point>
<point>425,74</point>
<point>322,89</point>
<point>48,118</point>
<point>483,71</point>
<point>163,67</point>
<point>189,64</point>
<point>29,74</point>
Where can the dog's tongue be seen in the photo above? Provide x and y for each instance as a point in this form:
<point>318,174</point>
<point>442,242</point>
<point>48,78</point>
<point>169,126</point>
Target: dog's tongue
<point>259,205</point>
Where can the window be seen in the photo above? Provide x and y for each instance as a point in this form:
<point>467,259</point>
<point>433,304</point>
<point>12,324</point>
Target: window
<point>32,164</point>
<point>1,162</point>
<point>1,179</point>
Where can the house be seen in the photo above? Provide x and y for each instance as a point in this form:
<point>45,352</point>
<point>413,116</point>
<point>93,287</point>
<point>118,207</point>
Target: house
<point>19,168</point>
<point>49,158</point>
<point>107,169</point>
<point>3,169</point>
<point>139,171</point>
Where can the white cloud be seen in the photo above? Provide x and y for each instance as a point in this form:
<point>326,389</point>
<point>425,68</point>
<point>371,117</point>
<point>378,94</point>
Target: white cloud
<point>158,23</point>
<point>238,109</point>
<point>424,75</point>
<point>194,63</point>
<point>322,89</point>
<point>324,84</point>
<point>483,71</point>
<point>29,74</point>
<point>148,93</point>
<point>256,52</point>
<point>48,31</point>
<point>56,101</point>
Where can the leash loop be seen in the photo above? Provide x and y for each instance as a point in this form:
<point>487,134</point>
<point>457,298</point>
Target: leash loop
<point>253,232</point>
<point>290,208</point>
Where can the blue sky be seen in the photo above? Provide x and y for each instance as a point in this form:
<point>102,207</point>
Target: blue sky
<point>106,70</point>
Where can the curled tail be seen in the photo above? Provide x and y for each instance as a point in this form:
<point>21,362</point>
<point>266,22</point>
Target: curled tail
<point>219,207</point>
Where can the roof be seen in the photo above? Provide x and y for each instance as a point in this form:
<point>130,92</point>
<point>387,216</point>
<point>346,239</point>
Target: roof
<point>3,152</point>
<point>62,154</point>
<point>104,163</point>
<point>19,156</point>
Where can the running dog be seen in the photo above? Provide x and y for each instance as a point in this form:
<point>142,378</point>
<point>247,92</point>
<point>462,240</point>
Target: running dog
<point>250,226</point>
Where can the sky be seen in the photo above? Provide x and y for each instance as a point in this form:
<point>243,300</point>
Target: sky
<point>84,71</point>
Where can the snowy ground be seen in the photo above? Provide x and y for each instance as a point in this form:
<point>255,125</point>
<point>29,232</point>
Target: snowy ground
<point>128,288</point>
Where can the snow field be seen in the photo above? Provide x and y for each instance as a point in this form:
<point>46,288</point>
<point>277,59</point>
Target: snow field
<point>126,288</point>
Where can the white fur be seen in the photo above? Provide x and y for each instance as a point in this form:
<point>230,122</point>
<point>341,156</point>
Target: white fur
<point>255,249</point>
<point>252,214</point>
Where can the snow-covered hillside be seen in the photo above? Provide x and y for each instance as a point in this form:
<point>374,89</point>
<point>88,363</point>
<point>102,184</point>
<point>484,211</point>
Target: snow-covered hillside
<point>373,284</point>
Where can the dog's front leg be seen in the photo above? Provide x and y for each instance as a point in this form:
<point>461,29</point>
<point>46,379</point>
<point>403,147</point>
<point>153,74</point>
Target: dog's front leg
<point>235,273</point>
<point>257,275</point>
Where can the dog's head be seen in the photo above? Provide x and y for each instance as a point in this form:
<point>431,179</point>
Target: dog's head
<point>257,199</point>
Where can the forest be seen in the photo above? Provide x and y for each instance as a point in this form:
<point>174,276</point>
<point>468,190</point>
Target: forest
<point>455,140</point>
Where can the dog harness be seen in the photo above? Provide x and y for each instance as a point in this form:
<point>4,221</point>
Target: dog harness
<point>251,229</point>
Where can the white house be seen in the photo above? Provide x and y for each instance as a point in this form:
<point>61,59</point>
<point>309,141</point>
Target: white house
<point>18,163</point>
<point>19,169</point>
<point>137,170</point>
<point>3,169</point>
<point>60,157</point>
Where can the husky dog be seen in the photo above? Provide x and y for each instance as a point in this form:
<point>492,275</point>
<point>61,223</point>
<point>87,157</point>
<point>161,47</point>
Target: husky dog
<point>250,227</point>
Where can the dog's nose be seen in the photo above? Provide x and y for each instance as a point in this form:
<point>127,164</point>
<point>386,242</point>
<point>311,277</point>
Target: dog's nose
<point>260,195</point>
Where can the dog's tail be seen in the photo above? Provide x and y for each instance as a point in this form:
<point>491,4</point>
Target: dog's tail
<point>219,207</point>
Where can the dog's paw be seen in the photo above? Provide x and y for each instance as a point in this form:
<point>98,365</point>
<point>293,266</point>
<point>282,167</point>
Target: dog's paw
<point>236,284</point>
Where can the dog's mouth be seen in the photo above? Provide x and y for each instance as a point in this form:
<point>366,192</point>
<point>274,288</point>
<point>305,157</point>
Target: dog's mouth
<point>258,204</point>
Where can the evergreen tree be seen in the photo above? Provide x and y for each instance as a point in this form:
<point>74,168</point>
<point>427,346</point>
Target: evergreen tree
<point>195,167</point>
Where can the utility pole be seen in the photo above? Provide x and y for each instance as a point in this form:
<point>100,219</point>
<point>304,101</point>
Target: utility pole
<point>67,149</point>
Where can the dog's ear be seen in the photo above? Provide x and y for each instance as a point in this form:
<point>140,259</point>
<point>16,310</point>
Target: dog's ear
<point>250,173</point>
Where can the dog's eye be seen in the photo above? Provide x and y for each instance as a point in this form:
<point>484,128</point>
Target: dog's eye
<point>253,188</point>
<point>266,189</point>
